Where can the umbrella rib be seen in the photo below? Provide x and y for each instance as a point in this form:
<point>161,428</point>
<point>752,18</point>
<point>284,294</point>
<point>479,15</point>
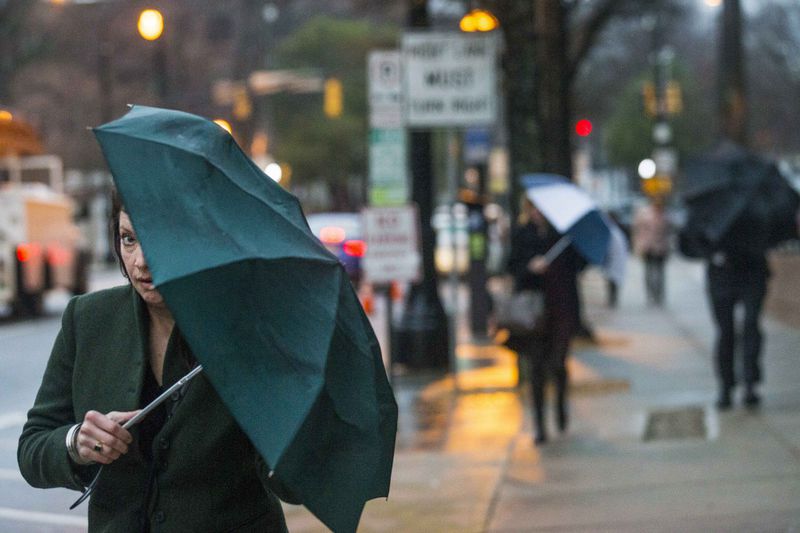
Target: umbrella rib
<point>212,163</point>
<point>326,261</point>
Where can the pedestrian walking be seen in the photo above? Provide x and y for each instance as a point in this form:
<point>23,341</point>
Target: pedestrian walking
<point>120,348</point>
<point>548,347</point>
<point>651,242</point>
<point>740,206</point>
<point>738,277</point>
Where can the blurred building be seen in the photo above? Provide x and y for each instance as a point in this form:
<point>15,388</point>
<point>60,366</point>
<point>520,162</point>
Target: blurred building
<point>72,59</point>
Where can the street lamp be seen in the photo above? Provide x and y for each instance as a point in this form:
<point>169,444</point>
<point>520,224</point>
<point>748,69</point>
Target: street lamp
<point>274,171</point>
<point>151,24</point>
<point>647,169</point>
<point>478,20</point>
<point>151,28</point>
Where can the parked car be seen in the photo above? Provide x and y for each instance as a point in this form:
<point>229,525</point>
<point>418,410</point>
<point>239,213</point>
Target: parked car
<point>343,235</point>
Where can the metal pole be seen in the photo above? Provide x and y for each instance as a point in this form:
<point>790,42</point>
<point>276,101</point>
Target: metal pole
<point>452,193</point>
<point>422,334</point>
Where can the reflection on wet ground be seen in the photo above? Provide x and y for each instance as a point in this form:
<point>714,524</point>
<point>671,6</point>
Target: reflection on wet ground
<point>477,408</point>
<point>460,422</point>
<point>481,407</point>
<point>423,420</point>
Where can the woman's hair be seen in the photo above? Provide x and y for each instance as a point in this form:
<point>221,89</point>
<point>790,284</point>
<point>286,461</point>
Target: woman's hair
<point>116,209</point>
<point>525,205</point>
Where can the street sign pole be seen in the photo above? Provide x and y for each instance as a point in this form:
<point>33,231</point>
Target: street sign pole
<point>452,312</point>
<point>450,83</point>
<point>422,336</point>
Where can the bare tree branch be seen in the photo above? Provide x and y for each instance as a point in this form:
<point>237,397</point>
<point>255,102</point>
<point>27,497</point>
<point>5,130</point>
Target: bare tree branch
<point>587,35</point>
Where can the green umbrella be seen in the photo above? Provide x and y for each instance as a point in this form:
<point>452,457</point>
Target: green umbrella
<point>269,313</point>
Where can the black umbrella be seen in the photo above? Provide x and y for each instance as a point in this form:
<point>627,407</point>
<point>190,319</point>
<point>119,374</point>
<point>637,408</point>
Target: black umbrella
<point>737,201</point>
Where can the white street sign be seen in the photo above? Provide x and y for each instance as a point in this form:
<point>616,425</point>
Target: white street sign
<point>385,89</point>
<point>450,79</point>
<point>392,238</point>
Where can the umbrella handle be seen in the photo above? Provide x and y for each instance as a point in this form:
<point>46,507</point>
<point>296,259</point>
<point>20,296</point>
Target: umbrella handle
<point>135,420</point>
<point>161,397</point>
<point>557,248</point>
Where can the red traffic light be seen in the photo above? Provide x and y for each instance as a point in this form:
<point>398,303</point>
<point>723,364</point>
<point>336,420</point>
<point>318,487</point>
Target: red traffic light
<point>583,127</point>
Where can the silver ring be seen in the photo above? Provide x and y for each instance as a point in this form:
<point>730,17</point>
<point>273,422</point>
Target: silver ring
<point>98,447</point>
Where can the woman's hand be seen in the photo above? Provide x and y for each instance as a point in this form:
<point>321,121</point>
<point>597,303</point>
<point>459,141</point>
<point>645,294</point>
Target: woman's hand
<point>102,438</point>
<point>538,265</point>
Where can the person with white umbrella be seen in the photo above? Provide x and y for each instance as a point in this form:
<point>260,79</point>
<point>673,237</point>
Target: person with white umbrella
<point>561,230</point>
<point>547,348</point>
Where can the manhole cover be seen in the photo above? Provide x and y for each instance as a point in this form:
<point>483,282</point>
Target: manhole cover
<point>683,423</point>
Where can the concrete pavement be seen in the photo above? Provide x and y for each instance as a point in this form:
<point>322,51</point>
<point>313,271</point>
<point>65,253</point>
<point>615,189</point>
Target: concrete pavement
<point>646,450</point>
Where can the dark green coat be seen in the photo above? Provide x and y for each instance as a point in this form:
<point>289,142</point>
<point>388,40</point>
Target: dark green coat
<point>207,476</point>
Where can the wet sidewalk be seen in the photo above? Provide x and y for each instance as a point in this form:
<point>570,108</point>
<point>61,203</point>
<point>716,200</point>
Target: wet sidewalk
<point>646,450</point>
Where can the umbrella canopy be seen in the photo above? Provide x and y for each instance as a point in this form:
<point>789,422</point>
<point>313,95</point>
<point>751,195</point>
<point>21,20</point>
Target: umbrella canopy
<point>737,201</point>
<point>572,212</point>
<point>269,313</point>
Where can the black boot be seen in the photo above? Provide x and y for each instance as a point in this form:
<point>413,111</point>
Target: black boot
<point>562,402</point>
<point>562,414</point>
<point>539,425</point>
<point>751,397</point>
<point>724,401</point>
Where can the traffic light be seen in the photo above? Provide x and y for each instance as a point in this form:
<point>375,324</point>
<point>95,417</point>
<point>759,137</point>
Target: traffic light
<point>674,98</point>
<point>583,127</point>
<point>332,100</point>
<point>650,99</point>
<point>242,106</point>
<point>657,186</point>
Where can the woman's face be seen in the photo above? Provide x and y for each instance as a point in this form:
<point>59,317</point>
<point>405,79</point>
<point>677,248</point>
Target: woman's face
<point>135,265</point>
<point>535,215</point>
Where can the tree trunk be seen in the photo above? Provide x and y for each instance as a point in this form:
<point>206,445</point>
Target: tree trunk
<point>518,64</point>
<point>553,87</point>
<point>732,97</point>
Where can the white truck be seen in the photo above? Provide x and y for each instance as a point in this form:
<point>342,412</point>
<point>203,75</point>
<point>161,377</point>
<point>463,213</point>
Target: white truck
<point>40,246</point>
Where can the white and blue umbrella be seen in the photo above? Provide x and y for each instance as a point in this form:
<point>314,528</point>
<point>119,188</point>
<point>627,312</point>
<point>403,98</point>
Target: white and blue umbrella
<point>574,214</point>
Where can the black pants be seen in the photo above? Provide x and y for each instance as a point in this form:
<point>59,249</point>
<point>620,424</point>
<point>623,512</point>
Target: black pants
<point>654,277</point>
<point>548,360</point>
<point>725,295</point>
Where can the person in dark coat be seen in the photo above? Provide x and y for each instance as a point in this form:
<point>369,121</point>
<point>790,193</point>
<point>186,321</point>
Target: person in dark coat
<point>188,466</point>
<point>740,206</point>
<point>547,348</point>
<point>738,274</point>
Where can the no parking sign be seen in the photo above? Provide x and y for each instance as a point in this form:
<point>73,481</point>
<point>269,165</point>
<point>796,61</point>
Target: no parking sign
<point>392,238</point>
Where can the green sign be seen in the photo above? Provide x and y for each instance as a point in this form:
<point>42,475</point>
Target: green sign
<point>388,178</point>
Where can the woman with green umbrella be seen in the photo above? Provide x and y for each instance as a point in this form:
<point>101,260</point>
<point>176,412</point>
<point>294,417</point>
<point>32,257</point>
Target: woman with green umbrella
<point>187,466</point>
<point>293,398</point>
